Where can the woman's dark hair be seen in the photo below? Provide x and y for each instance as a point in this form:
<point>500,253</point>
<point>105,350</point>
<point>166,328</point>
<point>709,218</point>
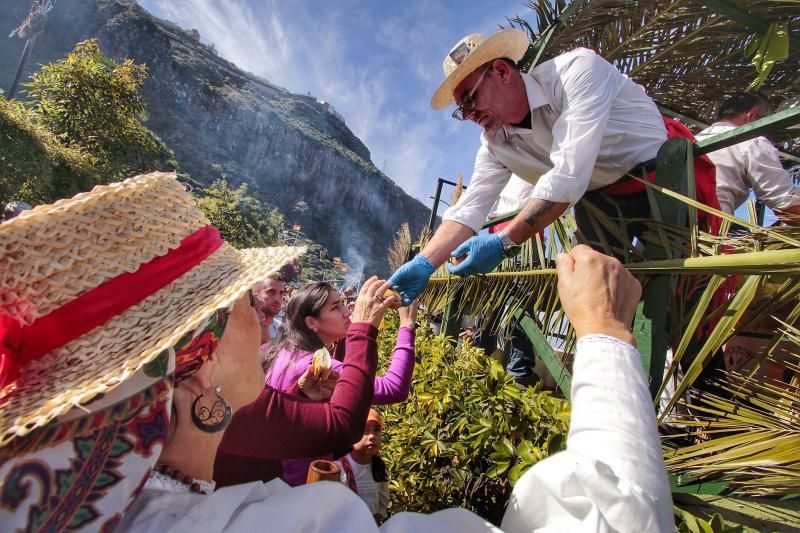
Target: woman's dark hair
<point>379,474</point>
<point>296,335</point>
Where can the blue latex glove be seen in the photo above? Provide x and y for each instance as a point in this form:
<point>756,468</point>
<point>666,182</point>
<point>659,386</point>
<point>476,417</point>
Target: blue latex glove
<point>410,279</point>
<point>484,253</point>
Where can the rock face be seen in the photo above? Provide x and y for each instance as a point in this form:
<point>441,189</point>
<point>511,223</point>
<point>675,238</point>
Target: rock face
<point>219,119</point>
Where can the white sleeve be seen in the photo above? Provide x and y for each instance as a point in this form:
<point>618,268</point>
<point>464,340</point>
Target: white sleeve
<point>588,91</point>
<point>488,179</point>
<point>611,476</point>
<point>770,181</point>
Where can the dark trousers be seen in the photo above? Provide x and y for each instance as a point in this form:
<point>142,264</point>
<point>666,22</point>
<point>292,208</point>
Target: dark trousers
<point>521,357</point>
<point>630,207</point>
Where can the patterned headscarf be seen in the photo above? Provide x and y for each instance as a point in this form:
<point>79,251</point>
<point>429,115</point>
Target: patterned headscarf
<point>196,346</point>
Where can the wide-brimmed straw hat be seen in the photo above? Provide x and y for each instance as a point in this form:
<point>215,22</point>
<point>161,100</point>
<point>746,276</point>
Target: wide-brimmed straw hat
<point>473,51</point>
<point>94,287</point>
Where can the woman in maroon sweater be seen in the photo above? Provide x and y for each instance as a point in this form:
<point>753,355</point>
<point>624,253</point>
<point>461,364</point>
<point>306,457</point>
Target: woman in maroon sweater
<point>285,426</point>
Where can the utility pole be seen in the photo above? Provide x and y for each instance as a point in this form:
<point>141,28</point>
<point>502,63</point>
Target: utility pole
<point>29,30</point>
<point>437,198</point>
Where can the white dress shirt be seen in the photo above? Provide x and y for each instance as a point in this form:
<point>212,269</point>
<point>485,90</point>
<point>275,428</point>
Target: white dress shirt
<point>753,164</point>
<point>590,124</point>
<point>611,477</point>
<point>512,197</point>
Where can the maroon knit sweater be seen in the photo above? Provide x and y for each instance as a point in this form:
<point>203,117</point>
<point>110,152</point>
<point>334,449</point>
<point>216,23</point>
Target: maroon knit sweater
<point>286,426</point>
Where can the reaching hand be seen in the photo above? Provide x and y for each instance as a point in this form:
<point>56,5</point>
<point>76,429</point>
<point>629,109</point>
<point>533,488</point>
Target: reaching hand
<point>484,253</point>
<point>597,293</point>
<point>408,315</point>
<point>314,387</point>
<point>372,302</point>
<point>410,279</point>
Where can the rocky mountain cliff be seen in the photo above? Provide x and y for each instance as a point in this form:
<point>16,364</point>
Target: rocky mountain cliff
<point>219,119</point>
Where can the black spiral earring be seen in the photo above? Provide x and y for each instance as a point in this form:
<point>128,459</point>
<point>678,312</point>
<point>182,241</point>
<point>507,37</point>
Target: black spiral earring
<point>215,419</point>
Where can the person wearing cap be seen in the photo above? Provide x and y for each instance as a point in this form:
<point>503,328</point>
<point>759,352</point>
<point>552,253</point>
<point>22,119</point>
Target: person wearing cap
<point>571,125</point>
<point>364,471</point>
<point>753,164</point>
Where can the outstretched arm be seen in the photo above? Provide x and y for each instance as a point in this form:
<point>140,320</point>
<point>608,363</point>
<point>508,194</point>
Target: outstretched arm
<point>395,384</point>
<point>612,475</point>
<point>534,216</point>
<point>449,235</point>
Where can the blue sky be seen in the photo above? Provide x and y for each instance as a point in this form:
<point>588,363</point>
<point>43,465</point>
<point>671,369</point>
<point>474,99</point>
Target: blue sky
<point>377,62</point>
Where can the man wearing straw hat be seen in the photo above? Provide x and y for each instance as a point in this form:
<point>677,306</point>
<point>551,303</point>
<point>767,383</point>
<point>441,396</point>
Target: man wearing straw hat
<point>571,125</point>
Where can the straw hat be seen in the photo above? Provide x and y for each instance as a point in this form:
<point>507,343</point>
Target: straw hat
<point>473,51</point>
<point>94,287</point>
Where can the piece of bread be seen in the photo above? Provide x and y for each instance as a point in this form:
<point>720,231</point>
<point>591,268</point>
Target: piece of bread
<point>396,300</point>
<point>321,363</point>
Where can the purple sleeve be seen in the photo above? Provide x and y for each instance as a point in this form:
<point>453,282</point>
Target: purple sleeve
<point>395,384</point>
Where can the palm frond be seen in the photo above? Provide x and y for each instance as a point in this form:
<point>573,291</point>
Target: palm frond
<point>458,189</point>
<point>754,429</point>
<point>400,250</point>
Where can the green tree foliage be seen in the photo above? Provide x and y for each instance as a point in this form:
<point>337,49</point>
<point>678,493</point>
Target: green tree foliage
<point>317,263</point>
<point>35,167</point>
<point>92,102</point>
<point>467,432</point>
<point>241,218</point>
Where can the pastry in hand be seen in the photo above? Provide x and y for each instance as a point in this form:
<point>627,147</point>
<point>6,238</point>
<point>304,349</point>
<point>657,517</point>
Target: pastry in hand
<point>321,363</point>
<point>396,300</point>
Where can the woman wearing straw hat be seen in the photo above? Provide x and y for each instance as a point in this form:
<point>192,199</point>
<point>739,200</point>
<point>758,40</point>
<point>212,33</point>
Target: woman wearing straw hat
<point>103,297</point>
<point>571,125</point>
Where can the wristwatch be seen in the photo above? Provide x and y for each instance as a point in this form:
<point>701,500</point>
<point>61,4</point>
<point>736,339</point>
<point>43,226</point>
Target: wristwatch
<point>510,248</point>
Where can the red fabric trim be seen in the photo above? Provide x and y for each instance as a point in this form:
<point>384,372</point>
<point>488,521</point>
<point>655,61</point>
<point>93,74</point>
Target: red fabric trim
<point>348,470</point>
<point>21,344</point>
<point>705,177</point>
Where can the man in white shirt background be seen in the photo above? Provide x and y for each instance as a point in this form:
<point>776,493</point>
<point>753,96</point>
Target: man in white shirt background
<point>753,164</point>
<point>268,299</point>
<point>572,125</point>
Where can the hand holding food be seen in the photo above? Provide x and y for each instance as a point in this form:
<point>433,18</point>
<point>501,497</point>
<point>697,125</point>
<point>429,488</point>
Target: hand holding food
<point>393,298</point>
<point>321,363</point>
<point>371,303</point>
<point>315,388</point>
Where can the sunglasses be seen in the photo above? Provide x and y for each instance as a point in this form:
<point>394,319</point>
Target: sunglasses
<point>468,103</point>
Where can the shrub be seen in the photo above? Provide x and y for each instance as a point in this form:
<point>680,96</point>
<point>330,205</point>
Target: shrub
<point>35,167</point>
<point>90,101</point>
<point>242,219</point>
<point>467,432</point>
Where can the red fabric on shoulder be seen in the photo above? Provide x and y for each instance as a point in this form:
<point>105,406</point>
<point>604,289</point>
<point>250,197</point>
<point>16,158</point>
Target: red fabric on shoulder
<point>705,177</point>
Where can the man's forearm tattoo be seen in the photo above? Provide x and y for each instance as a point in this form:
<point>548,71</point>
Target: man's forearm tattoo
<point>535,209</point>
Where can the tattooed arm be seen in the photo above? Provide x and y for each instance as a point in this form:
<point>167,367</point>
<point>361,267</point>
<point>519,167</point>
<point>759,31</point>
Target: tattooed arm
<point>534,216</point>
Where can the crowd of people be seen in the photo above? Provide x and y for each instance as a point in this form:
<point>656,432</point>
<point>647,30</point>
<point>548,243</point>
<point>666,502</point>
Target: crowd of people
<point>156,379</point>
<point>176,418</point>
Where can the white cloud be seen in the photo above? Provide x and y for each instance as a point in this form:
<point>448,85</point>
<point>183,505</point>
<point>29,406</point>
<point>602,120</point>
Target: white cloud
<point>377,65</point>
<point>255,43</point>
